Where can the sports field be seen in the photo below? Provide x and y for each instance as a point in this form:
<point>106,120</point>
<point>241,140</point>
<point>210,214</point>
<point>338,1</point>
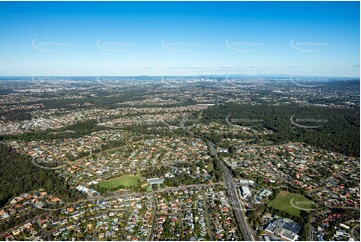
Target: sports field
<point>292,203</point>
<point>127,181</point>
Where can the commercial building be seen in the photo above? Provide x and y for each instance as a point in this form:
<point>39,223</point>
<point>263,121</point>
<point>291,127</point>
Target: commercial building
<point>156,180</point>
<point>246,193</point>
<point>284,228</point>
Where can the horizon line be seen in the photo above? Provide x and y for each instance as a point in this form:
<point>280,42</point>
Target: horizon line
<point>198,75</point>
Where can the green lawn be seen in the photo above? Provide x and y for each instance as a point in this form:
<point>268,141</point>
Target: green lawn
<point>292,203</point>
<point>127,181</point>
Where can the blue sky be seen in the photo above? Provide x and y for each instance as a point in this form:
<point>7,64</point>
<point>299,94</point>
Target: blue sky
<point>179,38</point>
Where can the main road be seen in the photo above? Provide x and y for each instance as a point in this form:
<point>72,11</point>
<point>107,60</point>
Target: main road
<point>233,196</point>
<point>231,188</point>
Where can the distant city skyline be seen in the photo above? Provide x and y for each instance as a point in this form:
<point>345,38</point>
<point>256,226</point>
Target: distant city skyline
<point>179,38</point>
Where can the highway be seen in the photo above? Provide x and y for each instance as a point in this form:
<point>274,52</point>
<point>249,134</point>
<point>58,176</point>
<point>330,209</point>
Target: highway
<point>150,237</point>
<point>231,188</point>
<point>233,196</point>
